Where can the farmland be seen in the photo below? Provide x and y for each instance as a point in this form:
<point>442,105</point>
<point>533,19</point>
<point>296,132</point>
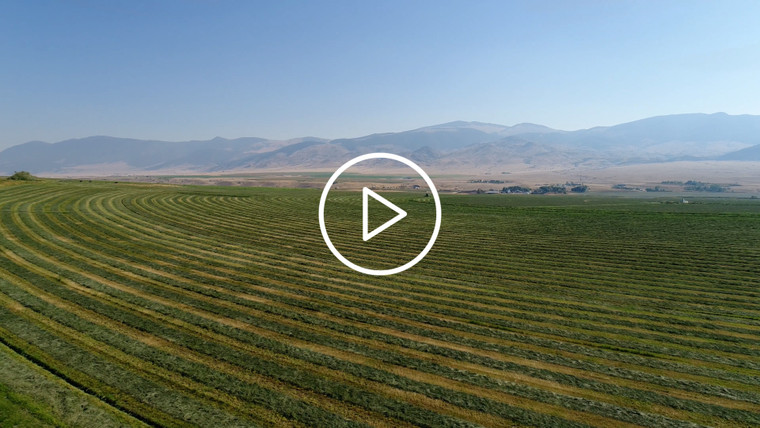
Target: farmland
<point>212,306</point>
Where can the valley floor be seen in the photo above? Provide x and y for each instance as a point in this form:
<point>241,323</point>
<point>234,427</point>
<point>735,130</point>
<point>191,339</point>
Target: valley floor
<point>221,306</point>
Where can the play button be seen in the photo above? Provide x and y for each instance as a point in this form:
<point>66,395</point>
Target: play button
<point>366,234</point>
<point>365,214</point>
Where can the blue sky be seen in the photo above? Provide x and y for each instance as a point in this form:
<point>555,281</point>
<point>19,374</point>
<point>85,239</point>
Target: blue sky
<point>194,69</point>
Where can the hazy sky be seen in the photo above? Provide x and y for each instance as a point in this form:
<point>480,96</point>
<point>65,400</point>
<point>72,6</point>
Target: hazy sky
<point>178,70</point>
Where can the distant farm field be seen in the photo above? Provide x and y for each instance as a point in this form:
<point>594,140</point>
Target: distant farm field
<point>126,304</point>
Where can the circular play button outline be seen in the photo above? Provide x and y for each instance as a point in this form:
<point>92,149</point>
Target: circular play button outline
<point>323,200</point>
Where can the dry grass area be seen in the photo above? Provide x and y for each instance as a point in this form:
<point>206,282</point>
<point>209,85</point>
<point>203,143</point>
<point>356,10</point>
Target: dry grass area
<point>745,174</point>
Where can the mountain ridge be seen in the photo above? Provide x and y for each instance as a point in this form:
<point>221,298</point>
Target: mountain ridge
<point>458,144</point>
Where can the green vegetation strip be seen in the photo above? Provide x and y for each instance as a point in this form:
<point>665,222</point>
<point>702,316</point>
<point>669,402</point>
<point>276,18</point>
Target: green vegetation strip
<point>26,388</point>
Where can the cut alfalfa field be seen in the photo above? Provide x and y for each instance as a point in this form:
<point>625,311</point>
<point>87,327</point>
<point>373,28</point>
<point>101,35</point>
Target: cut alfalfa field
<point>221,306</point>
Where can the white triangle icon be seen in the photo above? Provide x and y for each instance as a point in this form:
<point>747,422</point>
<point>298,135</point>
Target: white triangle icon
<point>365,214</point>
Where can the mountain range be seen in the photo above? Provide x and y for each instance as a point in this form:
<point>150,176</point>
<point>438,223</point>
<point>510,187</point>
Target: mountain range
<point>455,146</point>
